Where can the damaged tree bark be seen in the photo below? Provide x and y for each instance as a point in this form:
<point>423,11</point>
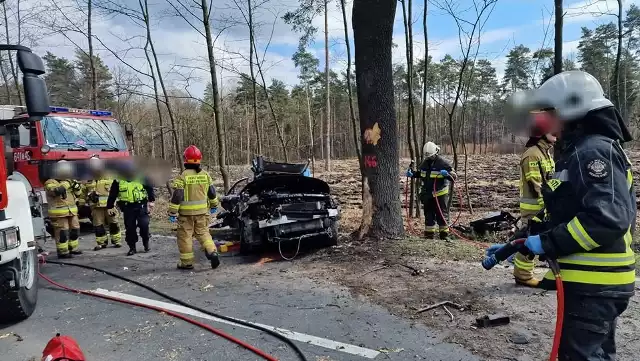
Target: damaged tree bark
<point>373,33</point>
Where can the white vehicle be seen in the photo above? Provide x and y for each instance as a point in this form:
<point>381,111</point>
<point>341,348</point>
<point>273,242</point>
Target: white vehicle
<point>18,247</point>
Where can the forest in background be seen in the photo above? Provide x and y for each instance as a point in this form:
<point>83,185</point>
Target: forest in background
<point>455,100</point>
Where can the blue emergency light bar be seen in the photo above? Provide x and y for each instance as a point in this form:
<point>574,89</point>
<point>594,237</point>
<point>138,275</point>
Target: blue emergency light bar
<point>98,113</point>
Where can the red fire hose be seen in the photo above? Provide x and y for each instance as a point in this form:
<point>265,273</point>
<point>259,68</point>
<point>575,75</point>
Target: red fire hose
<point>239,342</point>
<point>555,268</point>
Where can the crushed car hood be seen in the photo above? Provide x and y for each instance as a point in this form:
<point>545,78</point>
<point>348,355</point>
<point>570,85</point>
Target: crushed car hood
<point>286,183</point>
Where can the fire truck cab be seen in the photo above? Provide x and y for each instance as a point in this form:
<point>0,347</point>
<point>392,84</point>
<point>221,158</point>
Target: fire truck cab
<point>35,145</point>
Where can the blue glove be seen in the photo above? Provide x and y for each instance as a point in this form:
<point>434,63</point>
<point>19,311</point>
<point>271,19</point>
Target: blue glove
<point>173,219</point>
<point>493,249</point>
<point>444,173</point>
<point>409,173</point>
<point>213,210</point>
<point>534,244</point>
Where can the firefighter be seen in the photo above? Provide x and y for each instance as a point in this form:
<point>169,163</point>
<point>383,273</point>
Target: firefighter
<point>434,169</point>
<point>193,199</point>
<point>591,213</point>
<point>136,200</point>
<point>97,194</point>
<point>62,192</point>
<point>536,168</point>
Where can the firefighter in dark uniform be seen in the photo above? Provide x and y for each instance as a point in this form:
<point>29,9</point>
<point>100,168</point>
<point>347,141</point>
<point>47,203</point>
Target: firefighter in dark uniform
<point>591,213</point>
<point>434,169</point>
<point>136,200</point>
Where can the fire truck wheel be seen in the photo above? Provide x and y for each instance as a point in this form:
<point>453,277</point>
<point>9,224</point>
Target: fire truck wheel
<point>19,304</point>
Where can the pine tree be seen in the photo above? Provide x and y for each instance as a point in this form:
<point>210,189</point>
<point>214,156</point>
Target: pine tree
<point>62,81</point>
<point>105,96</point>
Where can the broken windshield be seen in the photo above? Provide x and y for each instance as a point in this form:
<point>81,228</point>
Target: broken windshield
<point>66,132</point>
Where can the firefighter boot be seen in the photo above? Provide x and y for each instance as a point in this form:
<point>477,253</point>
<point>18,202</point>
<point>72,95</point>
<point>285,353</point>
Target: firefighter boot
<point>62,245</point>
<point>215,260</point>
<point>430,232</point>
<point>523,270</point>
<point>74,235</point>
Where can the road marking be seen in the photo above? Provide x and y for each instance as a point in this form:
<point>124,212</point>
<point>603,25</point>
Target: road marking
<point>292,335</point>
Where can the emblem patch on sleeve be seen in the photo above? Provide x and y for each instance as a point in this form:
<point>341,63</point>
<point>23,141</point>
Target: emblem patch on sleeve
<point>597,169</point>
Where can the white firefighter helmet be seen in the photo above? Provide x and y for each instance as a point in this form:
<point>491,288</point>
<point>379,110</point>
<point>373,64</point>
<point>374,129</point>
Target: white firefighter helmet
<point>430,149</point>
<point>96,165</point>
<point>572,94</point>
<point>63,169</point>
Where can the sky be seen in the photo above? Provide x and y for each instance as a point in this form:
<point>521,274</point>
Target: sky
<point>183,50</point>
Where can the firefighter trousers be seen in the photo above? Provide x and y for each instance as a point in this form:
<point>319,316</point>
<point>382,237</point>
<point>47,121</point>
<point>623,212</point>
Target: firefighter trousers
<point>136,215</point>
<point>101,220</point>
<point>589,328</point>
<point>523,267</point>
<point>66,233</point>
<point>432,215</point>
<point>188,228</point>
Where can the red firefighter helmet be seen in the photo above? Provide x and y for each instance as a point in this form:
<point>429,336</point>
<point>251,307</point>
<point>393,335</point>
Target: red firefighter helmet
<point>192,155</point>
<point>62,348</point>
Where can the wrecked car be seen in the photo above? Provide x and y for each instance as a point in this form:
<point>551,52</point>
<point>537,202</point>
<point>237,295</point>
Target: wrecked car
<point>281,203</point>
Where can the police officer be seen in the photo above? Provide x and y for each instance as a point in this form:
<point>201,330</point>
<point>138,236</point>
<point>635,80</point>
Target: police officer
<point>193,199</point>
<point>63,210</point>
<point>591,208</point>
<point>434,170</point>
<point>97,194</point>
<point>136,200</point>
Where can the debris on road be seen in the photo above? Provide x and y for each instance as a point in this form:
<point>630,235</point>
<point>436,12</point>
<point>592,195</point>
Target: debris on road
<point>493,320</point>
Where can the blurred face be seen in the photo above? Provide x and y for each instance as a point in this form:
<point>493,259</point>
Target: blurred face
<point>550,138</point>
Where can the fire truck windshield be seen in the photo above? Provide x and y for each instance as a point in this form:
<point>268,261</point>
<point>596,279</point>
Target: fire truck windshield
<point>83,133</point>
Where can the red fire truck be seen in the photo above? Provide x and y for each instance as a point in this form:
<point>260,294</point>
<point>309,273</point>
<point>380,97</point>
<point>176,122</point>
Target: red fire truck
<point>35,145</point>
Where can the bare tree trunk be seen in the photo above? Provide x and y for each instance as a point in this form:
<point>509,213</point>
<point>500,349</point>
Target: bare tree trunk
<point>327,159</point>
<point>253,79</point>
<point>557,53</point>
<point>273,112</point>
<point>177,145</point>
<point>5,79</point>
<point>616,69</point>
<point>424,77</point>
<point>222,146</point>
<point>144,11</point>
<point>374,75</point>
<point>311,145</point>
<point>92,65</point>
<point>352,115</point>
<point>14,71</point>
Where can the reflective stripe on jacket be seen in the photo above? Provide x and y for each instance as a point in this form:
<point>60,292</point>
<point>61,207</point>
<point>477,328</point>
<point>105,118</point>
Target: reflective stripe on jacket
<point>536,167</point>
<point>131,192</point>
<point>429,172</point>
<point>57,205</point>
<point>193,194</point>
<point>592,220</point>
<point>97,192</point>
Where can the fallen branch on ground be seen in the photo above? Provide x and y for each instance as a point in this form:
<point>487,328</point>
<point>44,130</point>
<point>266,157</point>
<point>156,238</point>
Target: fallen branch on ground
<point>443,303</point>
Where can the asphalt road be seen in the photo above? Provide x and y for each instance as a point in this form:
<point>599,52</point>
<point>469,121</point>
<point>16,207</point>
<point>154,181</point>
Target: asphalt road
<point>328,323</point>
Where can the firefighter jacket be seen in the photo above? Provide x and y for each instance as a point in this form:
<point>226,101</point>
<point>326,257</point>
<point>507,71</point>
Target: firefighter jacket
<point>536,168</point>
<point>429,172</point>
<point>97,192</point>
<point>193,194</point>
<point>129,192</point>
<point>591,208</point>
<point>62,196</point>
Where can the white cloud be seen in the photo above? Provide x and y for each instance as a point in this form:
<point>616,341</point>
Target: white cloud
<point>589,10</point>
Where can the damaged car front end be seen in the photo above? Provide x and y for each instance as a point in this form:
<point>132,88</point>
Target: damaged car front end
<point>281,203</point>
